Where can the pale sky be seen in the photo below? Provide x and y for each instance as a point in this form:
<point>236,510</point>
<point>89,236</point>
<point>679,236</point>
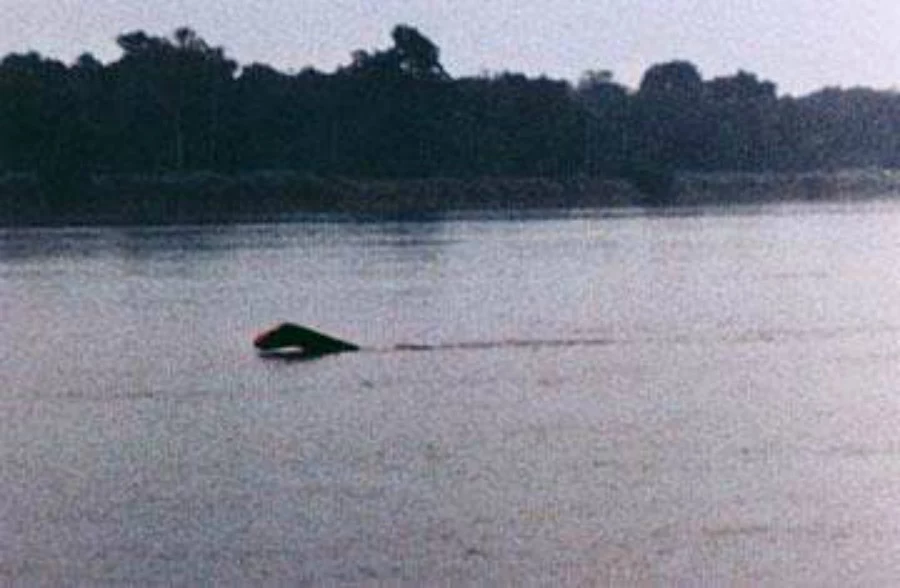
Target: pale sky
<point>801,45</point>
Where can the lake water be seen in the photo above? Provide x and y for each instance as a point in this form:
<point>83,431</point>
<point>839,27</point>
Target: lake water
<point>620,399</point>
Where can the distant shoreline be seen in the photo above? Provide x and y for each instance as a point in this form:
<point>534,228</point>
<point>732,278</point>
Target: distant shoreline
<point>698,189</point>
<point>212,197</point>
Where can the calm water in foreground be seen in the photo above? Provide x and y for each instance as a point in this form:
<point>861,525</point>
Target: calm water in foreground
<point>632,400</point>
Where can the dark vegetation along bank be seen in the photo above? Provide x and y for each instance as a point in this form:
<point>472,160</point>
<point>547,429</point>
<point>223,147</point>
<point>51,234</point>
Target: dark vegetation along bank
<point>176,129</point>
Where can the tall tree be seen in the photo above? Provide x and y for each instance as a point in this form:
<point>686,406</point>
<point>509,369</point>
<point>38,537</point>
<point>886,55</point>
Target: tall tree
<point>740,112</point>
<point>606,137</point>
<point>180,83</point>
<point>668,118</point>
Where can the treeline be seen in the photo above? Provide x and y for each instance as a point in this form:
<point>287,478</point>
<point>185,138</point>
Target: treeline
<point>179,105</point>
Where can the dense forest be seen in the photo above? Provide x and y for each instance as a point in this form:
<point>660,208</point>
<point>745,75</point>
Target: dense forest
<point>175,107</point>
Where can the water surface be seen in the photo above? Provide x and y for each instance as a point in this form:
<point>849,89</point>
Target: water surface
<point>626,399</point>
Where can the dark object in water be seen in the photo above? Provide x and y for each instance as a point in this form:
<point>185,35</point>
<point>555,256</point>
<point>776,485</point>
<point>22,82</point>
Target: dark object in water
<point>290,340</point>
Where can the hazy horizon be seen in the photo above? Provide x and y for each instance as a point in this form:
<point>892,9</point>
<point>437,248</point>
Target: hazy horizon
<point>802,47</point>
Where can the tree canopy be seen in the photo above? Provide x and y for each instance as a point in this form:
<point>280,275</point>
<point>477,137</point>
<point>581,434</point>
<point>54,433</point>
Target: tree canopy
<point>178,104</point>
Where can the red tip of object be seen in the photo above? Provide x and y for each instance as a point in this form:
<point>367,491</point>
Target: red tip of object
<point>258,339</point>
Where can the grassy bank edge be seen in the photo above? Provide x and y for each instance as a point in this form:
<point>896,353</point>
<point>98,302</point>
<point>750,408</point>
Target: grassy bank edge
<point>207,196</point>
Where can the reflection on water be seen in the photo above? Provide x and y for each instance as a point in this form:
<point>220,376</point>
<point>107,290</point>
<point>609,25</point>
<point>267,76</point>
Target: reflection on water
<point>613,399</point>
